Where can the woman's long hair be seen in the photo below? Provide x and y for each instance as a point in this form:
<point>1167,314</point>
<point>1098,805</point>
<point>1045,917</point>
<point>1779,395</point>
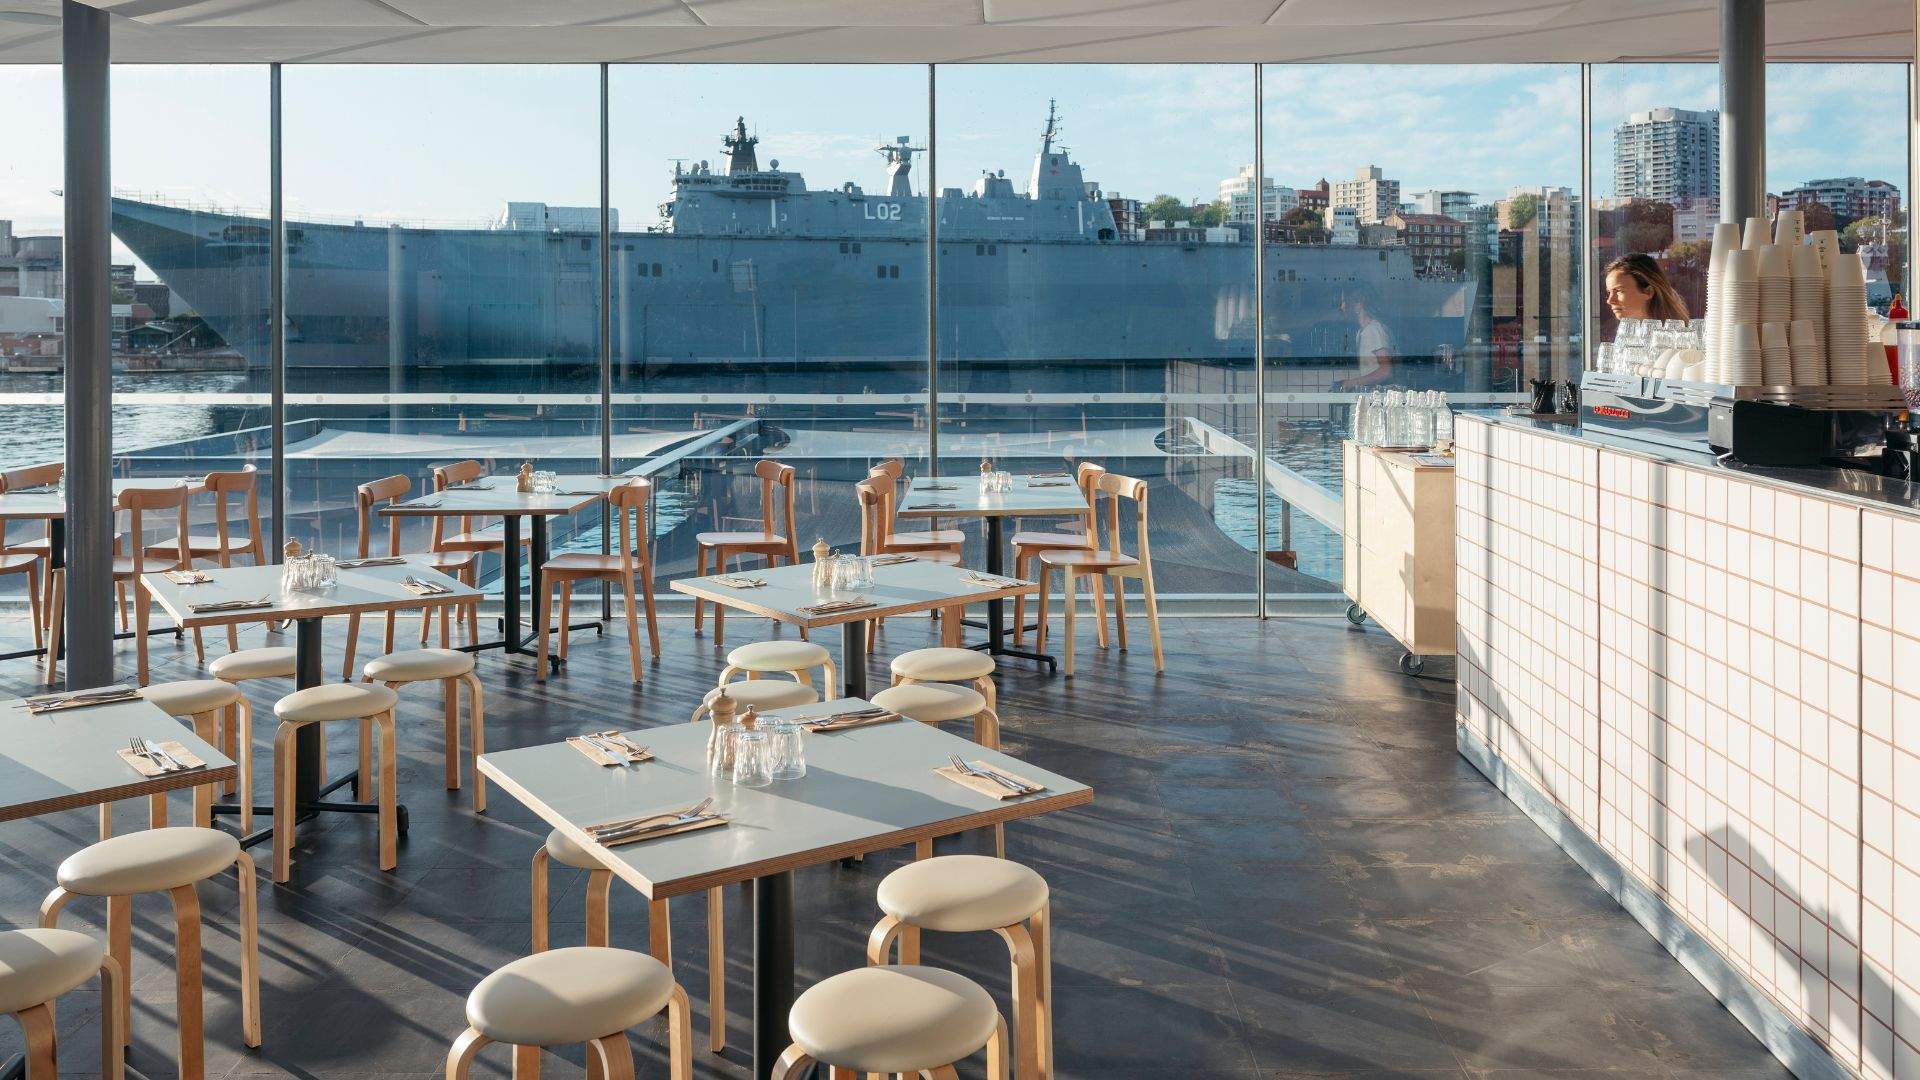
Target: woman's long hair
<point>1666,302</point>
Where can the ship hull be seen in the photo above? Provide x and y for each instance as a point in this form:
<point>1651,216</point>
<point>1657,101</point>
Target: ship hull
<point>379,297</point>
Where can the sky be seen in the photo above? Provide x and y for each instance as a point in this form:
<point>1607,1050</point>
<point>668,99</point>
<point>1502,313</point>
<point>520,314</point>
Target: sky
<point>452,144</point>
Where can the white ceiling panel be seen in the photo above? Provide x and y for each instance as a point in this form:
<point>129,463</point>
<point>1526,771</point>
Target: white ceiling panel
<point>1124,13</point>
<point>549,12</point>
<point>276,13</point>
<point>836,13</point>
<point>1397,13</point>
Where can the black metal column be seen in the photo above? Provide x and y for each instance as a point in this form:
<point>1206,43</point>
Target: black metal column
<point>85,60</point>
<point>772,968</point>
<point>277,318</point>
<point>853,657</point>
<point>1743,109</point>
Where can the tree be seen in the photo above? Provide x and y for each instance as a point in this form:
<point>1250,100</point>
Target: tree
<point>1214,213</point>
<point>1521,210</point>
<point>1818,216</point>
<point>1166,208</point>
<point>1646,226</point>
<point>1301,215</point>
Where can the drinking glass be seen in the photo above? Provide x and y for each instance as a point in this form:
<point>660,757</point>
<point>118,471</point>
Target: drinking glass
<point>752,759</point>
<point>545,481</point>
<point>787,755</point>
<point>720,762</point>
<point>859,573</point>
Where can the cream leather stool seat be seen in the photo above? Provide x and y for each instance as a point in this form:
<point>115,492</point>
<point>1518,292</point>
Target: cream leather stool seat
<point>932,703</point>
<point>175,862</point>
<point>328,702</point>
<point>335,701</point>
<point>893,1020</point>
<point>562,849</point>
<point>419,665</point>
<point>37,966</point>
<point>762,694</point>
<point>191,697</point>
<point>586,995</point>
<point>943,664</point>
<point>153,861</point>
<point>962,893</point>
<point>275,662</point>
<point>779,656</point>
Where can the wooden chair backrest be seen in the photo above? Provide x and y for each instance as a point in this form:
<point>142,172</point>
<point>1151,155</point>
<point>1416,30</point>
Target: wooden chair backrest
<point>32,476</point>
<point>873,510</point>
<point>773,475</point>
<point>893,467</point>
<point>1117,487</point>
<point>370,494</point>
<point>446,476</point>
<point>136,502</point>
<point>223,484</point>
<point>629,504</point>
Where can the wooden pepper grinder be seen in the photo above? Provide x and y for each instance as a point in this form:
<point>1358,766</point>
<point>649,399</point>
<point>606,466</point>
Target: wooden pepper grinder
<point>525,478</point>
<point>291,550</point>
<point>721,712</point>
<point>750,719</point>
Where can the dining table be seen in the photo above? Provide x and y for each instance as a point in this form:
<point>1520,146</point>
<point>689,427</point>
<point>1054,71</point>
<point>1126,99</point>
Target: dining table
<point>49,504</point>
<point>501,497</point>
<point>911,584</point>
<point>375,586</point>
<point>70,758</point>
<point>866,789</point>
<point>1038,495</point>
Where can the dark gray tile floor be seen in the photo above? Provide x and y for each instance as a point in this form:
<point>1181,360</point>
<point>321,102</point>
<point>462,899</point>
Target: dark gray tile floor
<point>1287,871</point>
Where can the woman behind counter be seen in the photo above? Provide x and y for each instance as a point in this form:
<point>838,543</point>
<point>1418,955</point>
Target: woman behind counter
<point>1638,289</point>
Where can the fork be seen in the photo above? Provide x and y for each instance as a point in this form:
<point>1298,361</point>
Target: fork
<point>618,829</point>
<point>139,746</point>
<point>620,754</point>
<point>970,770</point>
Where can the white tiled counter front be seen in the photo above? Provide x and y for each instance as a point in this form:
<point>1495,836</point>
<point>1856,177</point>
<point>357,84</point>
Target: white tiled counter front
<point>1679,670</point>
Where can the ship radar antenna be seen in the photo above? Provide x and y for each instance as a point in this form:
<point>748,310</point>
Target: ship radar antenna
<point>898,155</point>
<point>1053,128</point>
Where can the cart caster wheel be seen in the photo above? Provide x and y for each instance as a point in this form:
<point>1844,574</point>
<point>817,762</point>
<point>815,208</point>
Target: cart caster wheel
<point>1356,615</point>
<point>1411,664</point>
<point>400,820</point>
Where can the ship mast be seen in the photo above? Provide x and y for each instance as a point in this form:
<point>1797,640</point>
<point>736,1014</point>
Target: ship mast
<point>899,158</point>
<point>1046,137</point>
<point>739,147</point>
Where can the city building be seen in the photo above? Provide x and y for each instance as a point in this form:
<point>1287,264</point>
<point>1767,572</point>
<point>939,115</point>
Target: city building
<point>1667,154</point>
<point>1127,219</point>
<point>1343,225</point>
<point>1370,193</point>
<point>1693,220</point>
<point>1849,197</point>
<point>1437,242</point>
<point>1237,193</point>
<point>1314,198</point>
<point>1453,204</point>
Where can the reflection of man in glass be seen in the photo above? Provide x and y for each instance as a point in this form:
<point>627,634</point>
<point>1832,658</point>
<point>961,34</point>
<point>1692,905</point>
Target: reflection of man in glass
<point>1373,357</point>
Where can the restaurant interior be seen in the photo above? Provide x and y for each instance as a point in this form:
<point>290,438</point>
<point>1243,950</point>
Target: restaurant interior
<point>1004,538</point>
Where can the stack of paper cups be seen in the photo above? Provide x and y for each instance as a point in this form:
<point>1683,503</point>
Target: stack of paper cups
<point>1808,346</point>
<point>1875,362</point>
<point>1847,322</point>
<point>1776,359</point>
<point>1776,285</point>
<point>1809,288</point>
<point>1790,228</point>
<point>1739,319</point>
<point>1757,233</point>
<point>1828,243</point>
<point>1726,238</point>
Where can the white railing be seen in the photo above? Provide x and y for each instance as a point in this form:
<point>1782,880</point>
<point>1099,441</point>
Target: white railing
<point>1011,398</point>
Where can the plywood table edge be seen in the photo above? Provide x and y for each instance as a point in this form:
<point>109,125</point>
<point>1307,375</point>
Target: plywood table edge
<point>1010,811</point>
<point>191,619</point>
<point>144,786</point>
<point>733,599</point>
<point>403,510</point>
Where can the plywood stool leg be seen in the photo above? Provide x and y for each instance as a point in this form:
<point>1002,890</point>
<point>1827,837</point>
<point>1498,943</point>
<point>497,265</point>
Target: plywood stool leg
<point>679,1035</point>
<point>1040,928</point>
<point>283,808</point>
<point>241,726</point>
<point>565,585</point>
<point>37,1025</point>
<point>1026,1001</point>
<point>613,1055</point>
<point>545,617</point>
<point>1066,632</point>
<point>793,1064</point>
<point>389,823</point>
<point>113,1041</point>
<point>243,873</point>
<point>526,1063</point>
<point>120,947</point>
<point>1040,616</point>
<point>476,737</point>
<point>539,905</point>
<point>187,983</point>
<point>460,1056</point>
<point>450,731</point>
<point>599,896</point>
<point>716,970</point>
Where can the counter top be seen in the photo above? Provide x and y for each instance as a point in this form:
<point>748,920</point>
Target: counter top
<point>1855,486</point>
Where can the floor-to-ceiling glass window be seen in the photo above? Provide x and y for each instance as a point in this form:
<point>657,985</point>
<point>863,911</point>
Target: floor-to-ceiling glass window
<point>191,288</point>
<point>1096,295</point>
<point>768,290</point>
<point>32,285</point>
<point>1423,233</point>
<point>442,296</point>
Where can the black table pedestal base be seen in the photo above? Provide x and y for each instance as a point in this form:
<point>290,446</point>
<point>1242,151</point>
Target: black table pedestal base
<point>772,969</point>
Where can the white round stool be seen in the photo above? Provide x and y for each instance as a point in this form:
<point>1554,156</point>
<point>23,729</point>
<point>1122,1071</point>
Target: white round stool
<point>172,861</point>
<point>37,966</point>
<point>452,669</point>
<point>895,1019</point>
<point>947,664</point>
<point>795,658</point>
<point>268,662</point>
<point>320,704</point>
<point>203,703</point>
<point>964,894</point>
<point>582,995</point>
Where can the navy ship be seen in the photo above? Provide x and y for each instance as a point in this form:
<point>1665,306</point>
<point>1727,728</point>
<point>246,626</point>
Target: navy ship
<point>749,265</point>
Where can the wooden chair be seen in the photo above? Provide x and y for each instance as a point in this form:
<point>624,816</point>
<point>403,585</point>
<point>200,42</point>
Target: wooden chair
<point>1027,545</point>
<point>873,495</point>
<point>222,545</point>
<point>172,861</point>
<point>633,560</point>
<point>39,966</point>
<point>463,565</point>
<point>468,538</point>
<point>127,569</point>
<point>1108,564</point>
<point>889,473</point>
<point>774,540</point>
<point>38,549</point>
